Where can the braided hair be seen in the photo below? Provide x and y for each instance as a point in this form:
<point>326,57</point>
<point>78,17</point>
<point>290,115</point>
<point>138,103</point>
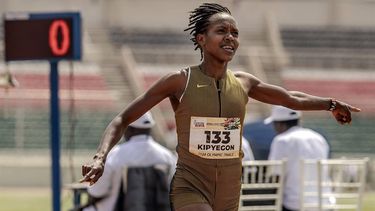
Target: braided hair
<point>198,20</point>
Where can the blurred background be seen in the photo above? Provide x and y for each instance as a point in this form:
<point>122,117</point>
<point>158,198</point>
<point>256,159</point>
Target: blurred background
<point>322,47</point>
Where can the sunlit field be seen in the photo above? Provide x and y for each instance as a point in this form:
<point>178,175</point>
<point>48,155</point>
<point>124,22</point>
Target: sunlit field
<point>31,199</point>
<point>39,199</point>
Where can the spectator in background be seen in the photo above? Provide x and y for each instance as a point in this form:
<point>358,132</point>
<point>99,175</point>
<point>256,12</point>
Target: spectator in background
<point>260,136</point>
<point>247,151</point>
<point>139,150</point>
<point>294,143</point>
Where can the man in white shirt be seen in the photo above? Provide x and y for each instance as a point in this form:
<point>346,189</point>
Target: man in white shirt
<point>247,151</point>
<point>139,150</point>
<point>294,143</point>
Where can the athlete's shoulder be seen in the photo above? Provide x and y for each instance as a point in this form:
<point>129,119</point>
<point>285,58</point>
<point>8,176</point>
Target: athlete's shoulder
<point>244,75</point>
<point>172,79</point>
<point>178,74</point>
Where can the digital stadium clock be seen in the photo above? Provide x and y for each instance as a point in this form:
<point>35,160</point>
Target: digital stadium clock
<point>52,37</point>
<point>42,36</point>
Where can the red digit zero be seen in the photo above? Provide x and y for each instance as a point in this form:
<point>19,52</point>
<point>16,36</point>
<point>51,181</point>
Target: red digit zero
<point>59,50</point>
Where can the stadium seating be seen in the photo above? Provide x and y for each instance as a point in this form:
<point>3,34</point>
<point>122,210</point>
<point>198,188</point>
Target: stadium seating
<point>330,47</point>
<point>24,113</point>
<point>329,37</point>
<point>358,137</point>
<point>142,37</point>
<point>30,129</point>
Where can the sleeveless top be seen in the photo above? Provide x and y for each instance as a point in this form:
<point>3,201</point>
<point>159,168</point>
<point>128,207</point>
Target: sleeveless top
<point>202,98</point>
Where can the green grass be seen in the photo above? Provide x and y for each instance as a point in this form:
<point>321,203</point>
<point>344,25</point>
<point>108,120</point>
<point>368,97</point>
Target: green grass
<point>39,199</point>
<point>369,201</point>
<point>31,199</point>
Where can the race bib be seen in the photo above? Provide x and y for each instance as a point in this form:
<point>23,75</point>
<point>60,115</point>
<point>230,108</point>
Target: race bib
<point>215,138</point>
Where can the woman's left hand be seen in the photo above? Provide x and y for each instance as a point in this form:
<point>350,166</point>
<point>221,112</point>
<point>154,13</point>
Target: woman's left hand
<point>342,112</point>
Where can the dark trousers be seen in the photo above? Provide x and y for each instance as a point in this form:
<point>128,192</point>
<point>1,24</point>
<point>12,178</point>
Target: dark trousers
<point>286,209</point>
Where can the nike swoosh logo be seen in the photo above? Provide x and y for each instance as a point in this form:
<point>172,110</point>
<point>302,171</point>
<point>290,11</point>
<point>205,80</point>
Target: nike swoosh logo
<point>202,85</point>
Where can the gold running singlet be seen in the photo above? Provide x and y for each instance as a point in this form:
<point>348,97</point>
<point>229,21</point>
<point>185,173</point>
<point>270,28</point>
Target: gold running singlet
<point>209,123</point>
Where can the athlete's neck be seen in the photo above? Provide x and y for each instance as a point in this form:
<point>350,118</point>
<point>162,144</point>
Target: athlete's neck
<point>216,71</point>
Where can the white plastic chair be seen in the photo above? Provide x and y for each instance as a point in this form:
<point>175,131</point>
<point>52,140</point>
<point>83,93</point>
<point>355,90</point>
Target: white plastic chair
<point>333,184</point>
<point>262,185</point>
<point>309,180</point>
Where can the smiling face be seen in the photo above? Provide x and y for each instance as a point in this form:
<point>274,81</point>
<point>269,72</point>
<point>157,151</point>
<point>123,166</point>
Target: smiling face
<point>221,39</point>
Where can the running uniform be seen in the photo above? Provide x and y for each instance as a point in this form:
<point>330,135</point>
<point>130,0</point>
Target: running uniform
<point>209,123</point>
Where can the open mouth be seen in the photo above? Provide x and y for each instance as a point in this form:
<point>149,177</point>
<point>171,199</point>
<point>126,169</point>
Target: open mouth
<point>228,48</point>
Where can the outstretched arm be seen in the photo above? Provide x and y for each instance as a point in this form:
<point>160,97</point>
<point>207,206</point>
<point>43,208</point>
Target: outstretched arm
<point>168,86</point>
<point>296,100</point>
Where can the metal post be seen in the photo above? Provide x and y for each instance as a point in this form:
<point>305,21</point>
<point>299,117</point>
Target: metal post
<point>55,135</point>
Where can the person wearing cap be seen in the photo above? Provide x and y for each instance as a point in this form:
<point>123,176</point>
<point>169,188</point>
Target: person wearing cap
<point>294,143</point>
<point>138,150</point>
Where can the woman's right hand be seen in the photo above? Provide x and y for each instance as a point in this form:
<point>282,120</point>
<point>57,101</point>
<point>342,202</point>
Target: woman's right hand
<point>92,172</point>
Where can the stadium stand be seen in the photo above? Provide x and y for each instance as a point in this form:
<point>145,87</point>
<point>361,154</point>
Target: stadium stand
<point>330,47</point>
<point>334,61</point>
<point>142,37</point>
<point>1,40</point>
<point>358,91</point>
<point>340,38</point>
<point>29,129</point>
<point>24,108</point>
